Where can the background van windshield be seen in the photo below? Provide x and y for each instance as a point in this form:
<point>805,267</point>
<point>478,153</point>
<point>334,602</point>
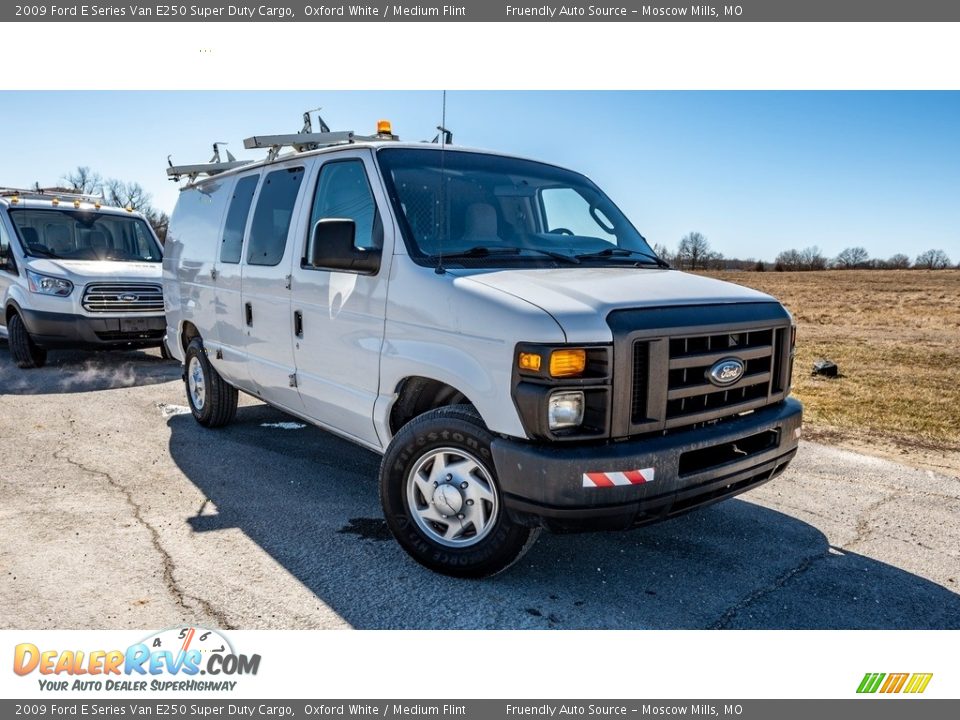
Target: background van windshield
<point>492,205</point>
<point>85,235</point>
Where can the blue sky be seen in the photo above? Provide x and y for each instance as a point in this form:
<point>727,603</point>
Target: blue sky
<point>756,172</point>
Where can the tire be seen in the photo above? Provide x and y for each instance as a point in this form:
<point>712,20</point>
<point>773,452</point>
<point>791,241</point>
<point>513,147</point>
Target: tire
<point>165,351</point>
<point>487,541</point>
<point>212,400</point>
<point>25,352</point>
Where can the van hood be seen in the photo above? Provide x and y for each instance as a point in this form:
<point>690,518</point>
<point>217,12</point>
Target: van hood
<point>82,271</point>
<point>580,298</point>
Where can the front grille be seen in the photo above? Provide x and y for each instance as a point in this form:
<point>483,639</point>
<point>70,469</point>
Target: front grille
<point>123,298</point>
<point>663,357</point>
<point>691,397</point>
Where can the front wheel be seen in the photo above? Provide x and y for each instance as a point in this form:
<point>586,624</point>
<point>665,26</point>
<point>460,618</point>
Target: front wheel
<point>24,350</point>
<point>213,401</point>
<point>440,496</point>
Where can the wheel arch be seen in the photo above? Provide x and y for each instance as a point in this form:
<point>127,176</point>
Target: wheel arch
<point>417,394</point>
<point>188,331</point>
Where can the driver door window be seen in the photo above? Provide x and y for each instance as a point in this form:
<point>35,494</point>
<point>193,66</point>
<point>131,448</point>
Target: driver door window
<point>344,192</point>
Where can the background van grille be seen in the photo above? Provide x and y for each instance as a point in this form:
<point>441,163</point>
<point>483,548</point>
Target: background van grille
<point>123,298</point>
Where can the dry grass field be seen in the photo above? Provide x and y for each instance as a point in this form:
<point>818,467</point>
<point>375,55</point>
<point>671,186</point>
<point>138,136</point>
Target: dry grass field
<point>895,336</point>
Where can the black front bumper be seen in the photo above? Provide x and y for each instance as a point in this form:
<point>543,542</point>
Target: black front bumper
<point>64,330</point>
<point>549,484</point>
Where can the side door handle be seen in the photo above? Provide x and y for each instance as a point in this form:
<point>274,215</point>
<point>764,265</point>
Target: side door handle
<point>249,313</point>
<point>298,323</point>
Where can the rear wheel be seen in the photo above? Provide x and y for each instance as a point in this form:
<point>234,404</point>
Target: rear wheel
<point>212,400</point>
<point>24,350</point>
<point>439,491</point>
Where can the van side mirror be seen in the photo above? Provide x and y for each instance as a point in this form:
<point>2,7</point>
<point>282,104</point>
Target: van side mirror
<point>333,249</point>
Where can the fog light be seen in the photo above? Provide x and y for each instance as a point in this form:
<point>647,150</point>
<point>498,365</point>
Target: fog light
<point>565,410</point>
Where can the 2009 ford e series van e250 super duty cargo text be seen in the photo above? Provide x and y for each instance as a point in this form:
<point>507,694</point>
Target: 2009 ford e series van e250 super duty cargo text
<point>494,326</point>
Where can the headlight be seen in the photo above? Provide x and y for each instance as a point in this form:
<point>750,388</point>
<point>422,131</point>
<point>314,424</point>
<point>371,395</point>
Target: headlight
<point>565,409</point>
<point>46,285</point>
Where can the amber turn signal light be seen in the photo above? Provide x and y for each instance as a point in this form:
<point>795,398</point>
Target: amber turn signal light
<point>568,363</point>
<point>529,361</point>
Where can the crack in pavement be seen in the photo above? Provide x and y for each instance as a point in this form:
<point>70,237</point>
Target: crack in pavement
<point>723,622</point>
<point>173,587</point>
<point>863,530</point>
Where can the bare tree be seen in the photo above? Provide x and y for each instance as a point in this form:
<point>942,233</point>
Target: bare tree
<point>713,261</point>
<point>83,180</point>
<point>127,194</point>
<point>932,260</point>
<point>159,221</point>
<point>812,259</point>
<point>852,257</point>
<point>693,251</point>
<point>898,262</point>
<point>661,252</point>
<point>789,260</point>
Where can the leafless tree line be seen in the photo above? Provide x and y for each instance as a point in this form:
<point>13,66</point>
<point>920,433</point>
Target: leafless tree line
<point>694,253</point>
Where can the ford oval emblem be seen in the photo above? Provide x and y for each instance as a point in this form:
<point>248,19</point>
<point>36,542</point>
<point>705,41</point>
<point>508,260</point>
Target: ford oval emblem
<point>726,372</point>
<point>129,298</point>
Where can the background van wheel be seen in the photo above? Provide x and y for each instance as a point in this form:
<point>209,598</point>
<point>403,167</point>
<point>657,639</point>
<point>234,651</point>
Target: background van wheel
<point>165,351</point>
<point>25,352</point>
<point>212,400</point>
<point>440,496</point>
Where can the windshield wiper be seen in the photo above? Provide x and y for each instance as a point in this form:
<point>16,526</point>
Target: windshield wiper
<point>480,251</point>
<point>42,252</point>
<point>624,252</point>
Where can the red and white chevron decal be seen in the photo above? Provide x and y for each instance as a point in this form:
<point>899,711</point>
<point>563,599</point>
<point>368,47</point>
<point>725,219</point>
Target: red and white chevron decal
<point>613,479</point>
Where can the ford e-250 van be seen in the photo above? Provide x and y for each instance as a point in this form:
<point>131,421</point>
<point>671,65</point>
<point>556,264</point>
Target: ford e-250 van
<point>494,326</point>
<point>76,274</point>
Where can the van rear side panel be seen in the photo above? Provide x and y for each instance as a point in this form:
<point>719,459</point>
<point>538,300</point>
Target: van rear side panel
<point>192,245</point>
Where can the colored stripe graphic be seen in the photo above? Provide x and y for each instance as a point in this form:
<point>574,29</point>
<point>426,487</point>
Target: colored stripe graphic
<point>870,682</point>
<point>894,683</point>
<point>918,683</point>
<point>614,479</point>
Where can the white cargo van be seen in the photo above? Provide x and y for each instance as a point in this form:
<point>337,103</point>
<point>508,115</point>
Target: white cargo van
<point>494,326</point>
<point>76,274</point>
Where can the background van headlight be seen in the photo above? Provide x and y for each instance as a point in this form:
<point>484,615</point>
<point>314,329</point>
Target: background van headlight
<point>565,409</point>
<point>46,285</point>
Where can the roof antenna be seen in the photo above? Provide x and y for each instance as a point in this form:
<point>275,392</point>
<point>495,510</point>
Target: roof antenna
<point>444,137</point>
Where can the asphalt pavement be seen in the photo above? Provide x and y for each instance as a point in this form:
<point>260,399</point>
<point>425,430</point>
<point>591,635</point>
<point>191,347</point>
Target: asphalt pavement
<point>118,510</point>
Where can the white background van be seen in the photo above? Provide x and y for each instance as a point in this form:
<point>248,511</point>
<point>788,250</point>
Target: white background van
<point>76,274</point>
<point>494,326</point>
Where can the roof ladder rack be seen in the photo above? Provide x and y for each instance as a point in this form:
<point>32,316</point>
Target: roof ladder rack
<point>38,193</point>
<point>301,142</point>
<point>214,167</point>
<point>304,140</point>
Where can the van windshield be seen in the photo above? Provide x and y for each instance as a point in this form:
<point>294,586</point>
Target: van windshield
<point>480,210</point>
<point>85,235</point>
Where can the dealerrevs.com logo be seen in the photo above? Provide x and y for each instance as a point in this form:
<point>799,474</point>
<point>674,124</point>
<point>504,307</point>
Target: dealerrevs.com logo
<point>177,659</point>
